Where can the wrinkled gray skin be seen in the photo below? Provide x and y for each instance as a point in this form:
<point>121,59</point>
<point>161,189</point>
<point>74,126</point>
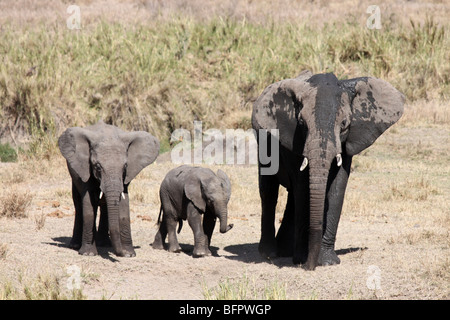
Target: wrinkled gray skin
<point>188,193</point>
<point>326,121</point>
<point>102,160</point>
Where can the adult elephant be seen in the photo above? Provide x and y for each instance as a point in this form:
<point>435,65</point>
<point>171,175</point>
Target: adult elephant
<point>102,160</point>
<point>323,122</point>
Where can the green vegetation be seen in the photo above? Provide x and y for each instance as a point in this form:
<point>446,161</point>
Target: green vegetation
<point>7,153</point>
<point>162,77</point>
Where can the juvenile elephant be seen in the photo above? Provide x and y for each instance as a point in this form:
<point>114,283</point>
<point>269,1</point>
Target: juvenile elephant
<point>188,193</point>
<point>102,160</point>
<point>322,123</point>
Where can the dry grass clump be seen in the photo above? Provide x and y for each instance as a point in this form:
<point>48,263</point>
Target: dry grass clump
<point>418,189</point>
<point>42,287</point>
<point>39,220</point>
<point>15,204</point>
<point>426,113</point>
<point>245,288</point>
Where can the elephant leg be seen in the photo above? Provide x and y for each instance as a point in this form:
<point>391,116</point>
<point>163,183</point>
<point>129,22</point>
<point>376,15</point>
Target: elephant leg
<point>285,235</point>
<point>335,199</point>
<point>75,242</point>
<point>209,222</point>
<point>268,191</point>
<point>168,226</point>
<point>160,237</point>
<point>88,238</point>
<point>125,227</point>
<point>171,225</point>
<point>301,223</point>
<point>200,239</point>
<point>102,238</point>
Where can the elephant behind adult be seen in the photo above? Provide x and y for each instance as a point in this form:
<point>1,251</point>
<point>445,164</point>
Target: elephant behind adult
<point>323,122</point>
<point>102,160</point>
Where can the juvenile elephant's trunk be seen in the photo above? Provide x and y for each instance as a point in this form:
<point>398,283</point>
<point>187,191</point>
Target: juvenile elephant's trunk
<point>113,199</point>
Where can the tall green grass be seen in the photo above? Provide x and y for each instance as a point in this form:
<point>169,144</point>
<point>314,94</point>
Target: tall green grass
<point>162,77</point>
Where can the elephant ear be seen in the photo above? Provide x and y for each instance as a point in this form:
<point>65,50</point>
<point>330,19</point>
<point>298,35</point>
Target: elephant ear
<point>193,191</point>
<point>279,106</point>
<point>225,182</point>
<point>376,106</point>
<point>143,149</point>
<point>74,146</point>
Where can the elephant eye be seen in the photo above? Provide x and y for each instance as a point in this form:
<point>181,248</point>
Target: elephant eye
<point>125,166</point>
<point>97,170</point>
<point>98,167</point>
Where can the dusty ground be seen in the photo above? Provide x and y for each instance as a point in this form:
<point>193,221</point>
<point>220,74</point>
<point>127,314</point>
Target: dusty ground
<point>393,239</point>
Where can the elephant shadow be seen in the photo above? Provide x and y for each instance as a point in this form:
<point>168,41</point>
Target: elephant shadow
<point>188,249</point>
<point>248,253</point>
<point>104,252</point>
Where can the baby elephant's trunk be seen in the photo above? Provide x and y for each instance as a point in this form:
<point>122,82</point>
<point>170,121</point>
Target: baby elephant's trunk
<point>223,215</point>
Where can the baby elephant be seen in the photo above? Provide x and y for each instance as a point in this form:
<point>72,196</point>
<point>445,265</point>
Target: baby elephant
<point>188,193</point>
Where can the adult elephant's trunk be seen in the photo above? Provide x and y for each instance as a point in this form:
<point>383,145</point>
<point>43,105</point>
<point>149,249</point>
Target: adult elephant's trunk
<point>318,176</point>
<point>112,202</point>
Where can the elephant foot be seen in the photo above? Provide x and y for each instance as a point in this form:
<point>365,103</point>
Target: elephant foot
<point>309,265</point>
<point>201,252</point>
<point>88,250</point>
<point>328,257</point>
<point>76,245</point>
<point>128,252</point>
<point>174,248</point>
<point>268,249</point>
<point>158,243</point>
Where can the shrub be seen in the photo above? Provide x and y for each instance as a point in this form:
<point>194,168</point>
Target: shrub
<point>7,153</point>
<point>15,204</point>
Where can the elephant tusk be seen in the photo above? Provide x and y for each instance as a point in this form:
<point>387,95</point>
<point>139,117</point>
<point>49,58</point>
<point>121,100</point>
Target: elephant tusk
<point>339,160</point>
<point>101,194</point>
<point>123,195</point>
<point>304,164</point>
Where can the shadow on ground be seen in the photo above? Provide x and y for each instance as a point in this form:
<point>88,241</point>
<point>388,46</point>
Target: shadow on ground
<point>248,253</point>
<point>104,252</point>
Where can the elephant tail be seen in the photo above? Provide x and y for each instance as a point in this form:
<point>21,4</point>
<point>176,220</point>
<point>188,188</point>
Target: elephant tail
<point>159,217</point>
<point>180,225</point>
